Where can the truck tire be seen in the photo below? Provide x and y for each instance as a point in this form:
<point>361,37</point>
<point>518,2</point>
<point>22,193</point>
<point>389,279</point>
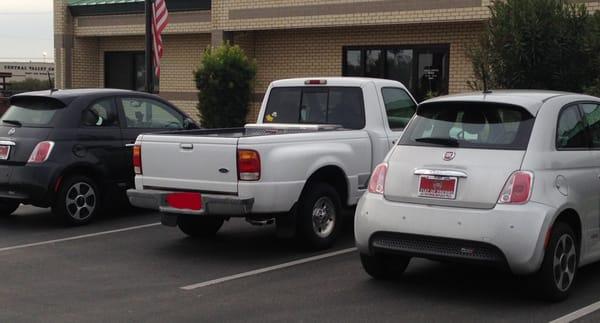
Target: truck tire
<point>199,226</point>
<point>559,268</point>
<point>384,267</point>
<point>319,216</point>
<point>78,200</point>
<point>8,207</point>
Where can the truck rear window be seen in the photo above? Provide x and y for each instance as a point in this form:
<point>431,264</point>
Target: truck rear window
<point>481,125</point>
<point>31,112</point>
<point>316,105</point>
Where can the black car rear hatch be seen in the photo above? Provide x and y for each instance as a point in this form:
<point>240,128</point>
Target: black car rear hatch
<point>28,121</point>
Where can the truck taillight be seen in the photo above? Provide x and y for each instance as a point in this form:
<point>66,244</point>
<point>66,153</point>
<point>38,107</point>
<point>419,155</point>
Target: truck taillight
<point>248,164</point>
<point>41,152</point>
<point>137,159</point>
<point>377,181</point>
<point>517,189</point>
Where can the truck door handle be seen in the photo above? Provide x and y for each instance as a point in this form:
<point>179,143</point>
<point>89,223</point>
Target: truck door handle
<point>186,146</point>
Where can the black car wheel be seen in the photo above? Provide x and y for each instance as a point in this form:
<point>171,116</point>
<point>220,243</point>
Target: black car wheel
<point>384,267</point>
<point>559,267</point>
<point>78,200</point>
<point>319,216</point>
<point>199,226</point>
<point>8,207</point>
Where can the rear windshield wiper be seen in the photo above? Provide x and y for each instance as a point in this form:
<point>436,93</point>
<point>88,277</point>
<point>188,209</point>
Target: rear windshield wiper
<point>451,142</point>
<point>13,122</point>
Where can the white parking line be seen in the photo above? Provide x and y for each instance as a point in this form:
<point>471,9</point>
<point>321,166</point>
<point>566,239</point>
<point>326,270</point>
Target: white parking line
<point>578,314</point>
<point>267,269</point>
<point>83,236</point>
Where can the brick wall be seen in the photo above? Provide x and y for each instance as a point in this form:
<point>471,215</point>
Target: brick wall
<point>277,14</point>
<point>318,52</point>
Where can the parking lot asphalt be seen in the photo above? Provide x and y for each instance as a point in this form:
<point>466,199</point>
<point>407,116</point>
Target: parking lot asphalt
<point>125,267</point>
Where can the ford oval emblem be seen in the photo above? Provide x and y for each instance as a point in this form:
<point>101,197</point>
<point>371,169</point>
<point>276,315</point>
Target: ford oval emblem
<point>449,155</point>
<point>223,170</point>
<point>12,131</point>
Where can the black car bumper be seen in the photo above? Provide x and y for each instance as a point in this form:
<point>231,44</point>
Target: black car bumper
<point>29,184</point>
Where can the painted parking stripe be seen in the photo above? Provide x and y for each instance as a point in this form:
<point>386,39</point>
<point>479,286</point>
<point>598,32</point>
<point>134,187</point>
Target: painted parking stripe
<point>578,314</point>
<point>268,269</point>
<point>83,236</point>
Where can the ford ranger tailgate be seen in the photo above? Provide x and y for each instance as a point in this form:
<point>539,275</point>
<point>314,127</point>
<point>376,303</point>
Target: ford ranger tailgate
<point>199,163</point>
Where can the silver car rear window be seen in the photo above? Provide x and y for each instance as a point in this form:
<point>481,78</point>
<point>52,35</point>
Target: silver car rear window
<point>478,125</point>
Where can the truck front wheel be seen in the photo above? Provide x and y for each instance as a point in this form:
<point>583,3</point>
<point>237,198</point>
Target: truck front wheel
<point>319,216</point>
<point>199,226</point>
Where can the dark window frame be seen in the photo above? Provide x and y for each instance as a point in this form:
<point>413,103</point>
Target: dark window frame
<point>588,135</point>
<point>416,48</point>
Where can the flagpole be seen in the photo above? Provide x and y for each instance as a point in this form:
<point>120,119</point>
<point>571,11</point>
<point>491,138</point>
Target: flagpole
<point>149,87</point>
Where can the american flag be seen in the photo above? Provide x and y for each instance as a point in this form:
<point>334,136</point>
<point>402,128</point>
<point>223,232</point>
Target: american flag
<point>159,23</point>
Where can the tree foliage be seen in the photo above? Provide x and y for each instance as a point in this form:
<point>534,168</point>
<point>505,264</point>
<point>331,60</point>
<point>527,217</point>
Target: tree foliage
<point>539,44</point>
<point>224,79</point>
<point>27,85</point>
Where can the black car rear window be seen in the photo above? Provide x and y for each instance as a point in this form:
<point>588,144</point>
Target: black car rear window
<point>316,105</point>
<point>31,112</point>
<point>482,125</point>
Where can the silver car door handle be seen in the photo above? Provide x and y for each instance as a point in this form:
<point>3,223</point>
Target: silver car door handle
<point>440,172</point>
<point>186,146</point>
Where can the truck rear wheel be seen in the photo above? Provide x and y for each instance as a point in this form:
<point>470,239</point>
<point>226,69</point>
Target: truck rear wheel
<point>319,216</point>
<point>8,207</point>
<point>199,226</point>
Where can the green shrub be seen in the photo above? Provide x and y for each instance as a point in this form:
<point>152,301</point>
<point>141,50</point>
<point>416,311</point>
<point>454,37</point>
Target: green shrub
<point>224,79</point>
<point>29,84</point>
<point>538,44</point>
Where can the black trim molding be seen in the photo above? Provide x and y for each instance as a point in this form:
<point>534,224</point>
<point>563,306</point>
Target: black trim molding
<point>137,7</point>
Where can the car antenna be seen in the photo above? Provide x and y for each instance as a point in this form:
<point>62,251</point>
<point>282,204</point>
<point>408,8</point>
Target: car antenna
<point>51,84</point>
<point>484,75</point>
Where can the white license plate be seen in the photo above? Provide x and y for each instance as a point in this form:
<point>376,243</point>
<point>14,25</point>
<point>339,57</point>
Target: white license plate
<point>4,152</point>
<point>439,187</point>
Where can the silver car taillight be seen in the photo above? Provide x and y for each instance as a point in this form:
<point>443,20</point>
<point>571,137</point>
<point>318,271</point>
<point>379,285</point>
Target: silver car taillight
<point>377,181</point>
<point>517,189</point>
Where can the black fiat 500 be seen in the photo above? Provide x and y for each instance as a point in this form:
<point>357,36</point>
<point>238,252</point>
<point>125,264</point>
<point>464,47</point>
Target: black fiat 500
<point>71,149</point>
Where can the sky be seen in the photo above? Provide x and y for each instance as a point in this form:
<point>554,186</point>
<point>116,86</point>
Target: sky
<point>26,30</point>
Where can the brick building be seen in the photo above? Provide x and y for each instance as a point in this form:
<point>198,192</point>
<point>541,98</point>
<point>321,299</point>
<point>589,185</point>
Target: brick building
<point>423,43</point>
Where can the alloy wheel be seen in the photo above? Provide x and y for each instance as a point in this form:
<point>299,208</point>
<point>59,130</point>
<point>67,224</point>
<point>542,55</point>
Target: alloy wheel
<point>80,201</point>
<point>565,262</point>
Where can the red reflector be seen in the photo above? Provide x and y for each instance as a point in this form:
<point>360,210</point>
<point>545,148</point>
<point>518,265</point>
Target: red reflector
<point>186,201</point>
<point>315,82</point>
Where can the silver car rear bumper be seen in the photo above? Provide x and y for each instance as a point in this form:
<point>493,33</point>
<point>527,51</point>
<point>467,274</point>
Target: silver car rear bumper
<point>212,204</point>
<point>517,231</point>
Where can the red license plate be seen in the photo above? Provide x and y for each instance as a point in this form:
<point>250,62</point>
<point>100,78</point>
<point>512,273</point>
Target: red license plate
<point>438,187</point>
<point>4,152</point>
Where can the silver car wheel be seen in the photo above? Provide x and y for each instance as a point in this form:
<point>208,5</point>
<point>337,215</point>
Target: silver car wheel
<point>323,217</point>
<point>80,201</point>
<point>565,262</point>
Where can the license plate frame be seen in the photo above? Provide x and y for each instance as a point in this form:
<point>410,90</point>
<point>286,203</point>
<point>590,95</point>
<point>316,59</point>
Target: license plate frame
<point>436,187</point>
<point>4,152</point>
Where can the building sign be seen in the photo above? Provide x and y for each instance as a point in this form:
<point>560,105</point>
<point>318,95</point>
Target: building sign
<point>21,71</point>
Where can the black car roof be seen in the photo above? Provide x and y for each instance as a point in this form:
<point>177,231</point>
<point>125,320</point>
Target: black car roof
<point>67,96</point>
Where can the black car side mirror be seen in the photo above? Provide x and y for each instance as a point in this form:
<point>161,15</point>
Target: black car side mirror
<point>189,124</point>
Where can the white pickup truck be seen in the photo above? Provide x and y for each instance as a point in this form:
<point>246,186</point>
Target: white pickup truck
<point>308,157</point>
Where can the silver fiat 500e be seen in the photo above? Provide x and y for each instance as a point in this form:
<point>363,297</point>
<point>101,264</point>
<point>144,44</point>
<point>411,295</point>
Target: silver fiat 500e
<point>509,178</point>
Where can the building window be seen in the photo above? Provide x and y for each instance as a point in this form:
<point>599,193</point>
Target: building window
<point>422,69</point>
<point>124,70</point>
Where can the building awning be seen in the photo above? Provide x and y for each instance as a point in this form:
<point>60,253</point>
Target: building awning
<point>117,7</point>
